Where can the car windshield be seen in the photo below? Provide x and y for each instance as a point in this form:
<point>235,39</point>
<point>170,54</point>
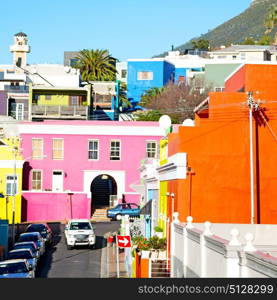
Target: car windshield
<point>20,254</point>
<point>19,267</point>
<point>80,225</point>
<point>28,237</point>
<point>37,228</point>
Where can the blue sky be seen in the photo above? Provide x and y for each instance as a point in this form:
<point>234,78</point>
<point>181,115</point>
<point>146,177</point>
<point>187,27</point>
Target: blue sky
<point>128,28</point>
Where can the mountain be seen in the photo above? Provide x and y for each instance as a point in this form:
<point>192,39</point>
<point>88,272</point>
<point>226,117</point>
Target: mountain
<point>249,23</point>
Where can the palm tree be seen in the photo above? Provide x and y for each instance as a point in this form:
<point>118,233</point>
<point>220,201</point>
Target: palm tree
<point>271,21</point>
<point>151,95</point>
<point>96,65</point>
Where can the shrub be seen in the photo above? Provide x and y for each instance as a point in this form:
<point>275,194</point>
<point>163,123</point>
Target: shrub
<point>158,229</point>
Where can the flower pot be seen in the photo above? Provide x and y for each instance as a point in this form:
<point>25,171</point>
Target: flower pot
<point>162,255</point>
<point>145,253</point>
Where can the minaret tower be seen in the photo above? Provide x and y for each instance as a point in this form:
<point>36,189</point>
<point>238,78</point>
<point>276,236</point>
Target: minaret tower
<point>20,48</point>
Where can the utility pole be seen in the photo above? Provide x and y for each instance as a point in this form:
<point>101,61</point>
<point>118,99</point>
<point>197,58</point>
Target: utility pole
<point>14,196</point>
<point>253,106</point>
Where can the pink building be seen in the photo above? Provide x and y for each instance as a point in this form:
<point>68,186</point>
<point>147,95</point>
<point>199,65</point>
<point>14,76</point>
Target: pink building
<point>73,166</point>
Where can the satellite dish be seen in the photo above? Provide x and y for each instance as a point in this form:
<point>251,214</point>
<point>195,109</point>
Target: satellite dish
<point>165,122</point>
<point>189,123</point>
<point>67,69</point>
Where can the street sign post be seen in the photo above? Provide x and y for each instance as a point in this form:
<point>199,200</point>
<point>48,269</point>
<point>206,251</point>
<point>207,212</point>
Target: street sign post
<point>124,241</point>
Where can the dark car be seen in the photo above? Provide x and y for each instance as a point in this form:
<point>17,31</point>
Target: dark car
<point>44,230</point>
<point>123,209</point>
<point>33,237</point>
<point>28,245</point>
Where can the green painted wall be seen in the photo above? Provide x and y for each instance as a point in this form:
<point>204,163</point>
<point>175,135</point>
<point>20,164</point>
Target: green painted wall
<point>215,74</point>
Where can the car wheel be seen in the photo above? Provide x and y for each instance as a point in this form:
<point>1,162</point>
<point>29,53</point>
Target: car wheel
<point>69,247</point>
<point>92,246</point>
<point>118,217</point>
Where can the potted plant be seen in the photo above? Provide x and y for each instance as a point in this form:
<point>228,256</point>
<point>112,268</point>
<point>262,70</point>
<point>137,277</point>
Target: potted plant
<point>145,248</point>
<point>158,231</point>
<point>162,248</point>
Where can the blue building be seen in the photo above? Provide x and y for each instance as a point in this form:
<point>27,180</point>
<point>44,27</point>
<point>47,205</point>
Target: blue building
<point>144,74</point>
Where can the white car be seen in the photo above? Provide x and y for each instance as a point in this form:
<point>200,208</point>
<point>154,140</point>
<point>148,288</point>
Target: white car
<point>79,232</point>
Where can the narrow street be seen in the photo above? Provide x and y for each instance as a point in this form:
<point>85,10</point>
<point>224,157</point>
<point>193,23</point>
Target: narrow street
<point>76,263</point>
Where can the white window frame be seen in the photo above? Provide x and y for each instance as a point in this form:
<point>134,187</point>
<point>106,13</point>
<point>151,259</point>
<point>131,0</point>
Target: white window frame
<point>219,89</point>
<point>32,179</point>
<point>141,75</point>
<point>54,139</point>
<point>112,150</point>
<point>92,150</point>
<point>42,144</point>
<point>148,152</point>
<point>62,188</point>
<point>11,183</point>
<point>19,117</point>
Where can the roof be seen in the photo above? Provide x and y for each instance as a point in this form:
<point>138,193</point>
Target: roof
<point>235,48</point>
<point>20,34</point>
<point>19,250</point>
<point>11,261</point>
<point>79,220</point>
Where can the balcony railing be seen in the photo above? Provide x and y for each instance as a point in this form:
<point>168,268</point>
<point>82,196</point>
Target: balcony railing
<point>60,111</point>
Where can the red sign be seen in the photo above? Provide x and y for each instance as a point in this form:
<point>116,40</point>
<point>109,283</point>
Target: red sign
<point>124,241</point>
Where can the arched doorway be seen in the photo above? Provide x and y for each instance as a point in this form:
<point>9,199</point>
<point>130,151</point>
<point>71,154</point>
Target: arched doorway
<point>102,187</point>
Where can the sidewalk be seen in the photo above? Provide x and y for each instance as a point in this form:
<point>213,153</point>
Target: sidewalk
<point>109,263</point>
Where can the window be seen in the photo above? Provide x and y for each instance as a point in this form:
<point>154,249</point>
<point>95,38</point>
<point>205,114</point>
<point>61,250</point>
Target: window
<point>74,100</point>
<point>36,180</point>
<point>57,149</point>
<point>48,97</point>
<point>123,73</point>
<point>145,75</point>
<point>93,149</point>
<point>219,89</point>
<point>151,149</point>
<point>37,148</point>
<point>11,185</point>
<point>115,150</point>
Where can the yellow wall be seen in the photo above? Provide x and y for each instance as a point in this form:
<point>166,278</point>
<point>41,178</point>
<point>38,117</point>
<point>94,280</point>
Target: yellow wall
<point>7,156</point>
<point>55,100</point>
<point>163,187</point>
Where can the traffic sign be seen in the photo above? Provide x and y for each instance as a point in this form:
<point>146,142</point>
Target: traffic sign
<point>124,241</point>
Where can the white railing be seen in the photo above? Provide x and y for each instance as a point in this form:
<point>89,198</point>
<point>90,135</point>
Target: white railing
<point>61,111</point>
<point>159,268</point>
<point>215,250</point>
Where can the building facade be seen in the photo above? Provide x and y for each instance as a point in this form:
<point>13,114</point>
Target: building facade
<point>78,165</point>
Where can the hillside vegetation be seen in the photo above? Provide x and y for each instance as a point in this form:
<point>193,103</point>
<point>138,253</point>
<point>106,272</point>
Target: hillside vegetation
<point>249,23</point>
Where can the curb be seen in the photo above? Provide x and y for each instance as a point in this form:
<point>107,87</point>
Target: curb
<point>104,271</point>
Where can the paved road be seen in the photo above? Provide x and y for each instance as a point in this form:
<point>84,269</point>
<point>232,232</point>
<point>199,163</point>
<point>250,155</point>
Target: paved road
<point>76,263</point>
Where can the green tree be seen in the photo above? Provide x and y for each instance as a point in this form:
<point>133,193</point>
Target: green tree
<point>96,65</point>
<point>201,44</point>
<point>271,21</point>
<point>265,40</point>
<point>124,102</point>
<point>248,41</point>
<point>151,95</point>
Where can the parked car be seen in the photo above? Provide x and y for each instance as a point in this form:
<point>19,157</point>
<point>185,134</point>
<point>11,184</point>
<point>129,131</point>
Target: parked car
<point>123,209</point>
<point>33,237</point>
<point>28,245</point>
<point>16,268</point>
<point>44,230</point>
<point>24,254</point>
<point>79,232</point>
